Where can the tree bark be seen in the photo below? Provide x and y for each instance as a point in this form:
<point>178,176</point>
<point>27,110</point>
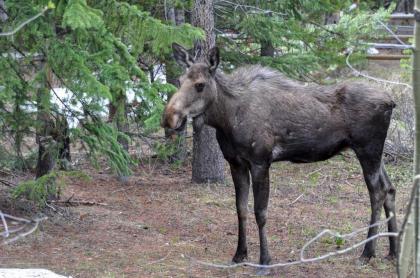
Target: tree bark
<point>176,17</point>
<point>179,16</point>
<point>63,140</point>
<point>267,49</point>
<point>45,131</point>
<point>405,6</point>
<point>19,115</point>
<point>3,13</point>
<point>208,162</point>
<point>117,113</point>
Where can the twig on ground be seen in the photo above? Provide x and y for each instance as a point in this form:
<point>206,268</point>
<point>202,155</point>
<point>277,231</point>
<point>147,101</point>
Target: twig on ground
<point>78,203</point>
<point>297,199</point>
<point>302,258</point>
<point>6,228</point>
<point>7,183</point>
<point>7,232</point>
<point>33,229</point>
<point>160,260</point>
<point>122,189</point>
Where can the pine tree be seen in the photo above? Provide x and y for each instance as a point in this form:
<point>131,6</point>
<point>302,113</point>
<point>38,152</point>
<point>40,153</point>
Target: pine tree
<point>90,48</point>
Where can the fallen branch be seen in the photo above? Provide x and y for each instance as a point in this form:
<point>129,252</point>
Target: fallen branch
<point>7,231</point>
<point>297,199</point>
<point>77,203</point>
<point>7,183</point>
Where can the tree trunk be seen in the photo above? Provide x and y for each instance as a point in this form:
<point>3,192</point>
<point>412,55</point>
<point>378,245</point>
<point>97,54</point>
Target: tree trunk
<point>117,113</point>
<point>45,131</point>
<point>405,6</point>
<point>19,116</point>
<point>267,49</point>
<point>179,16</point>
<point>3,13</point>
<point>63,140</point>
<point>208,162</point>
<point>176,16</point>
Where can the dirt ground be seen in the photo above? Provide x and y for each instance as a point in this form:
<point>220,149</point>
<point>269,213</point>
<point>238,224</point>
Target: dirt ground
<point>160,223</point>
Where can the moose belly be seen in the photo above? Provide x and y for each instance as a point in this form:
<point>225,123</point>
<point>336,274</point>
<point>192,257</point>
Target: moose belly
<point>308,152</point>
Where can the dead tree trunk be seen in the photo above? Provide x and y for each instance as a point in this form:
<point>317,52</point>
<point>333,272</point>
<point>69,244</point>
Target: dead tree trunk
<point>208,162</point>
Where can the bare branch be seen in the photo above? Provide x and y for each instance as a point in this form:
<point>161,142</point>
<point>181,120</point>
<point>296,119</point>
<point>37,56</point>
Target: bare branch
<point>302,258</point>
<point>8,231</point>
<point>371,77</point>
<point>11,33</point>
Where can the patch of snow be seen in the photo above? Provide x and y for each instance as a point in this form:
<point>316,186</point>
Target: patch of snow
<point>372,51</point>
<point>28,273</point>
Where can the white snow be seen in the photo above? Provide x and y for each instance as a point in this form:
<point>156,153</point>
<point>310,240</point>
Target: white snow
<point>28,273</point>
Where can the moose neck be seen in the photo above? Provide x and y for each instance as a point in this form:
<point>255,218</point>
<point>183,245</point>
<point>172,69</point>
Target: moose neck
<point>220,112</point>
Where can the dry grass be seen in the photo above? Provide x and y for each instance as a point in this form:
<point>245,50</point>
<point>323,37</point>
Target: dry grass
<point>154,223</point>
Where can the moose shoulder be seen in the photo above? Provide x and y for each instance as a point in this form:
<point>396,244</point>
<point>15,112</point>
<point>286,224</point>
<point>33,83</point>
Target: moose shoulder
<point>261,116</point>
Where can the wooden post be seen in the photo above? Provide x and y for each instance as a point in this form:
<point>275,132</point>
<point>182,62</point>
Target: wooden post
<point>416,92</point>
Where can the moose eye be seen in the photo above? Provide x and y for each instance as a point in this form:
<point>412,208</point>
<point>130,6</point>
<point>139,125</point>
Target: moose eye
<point>199,87</point>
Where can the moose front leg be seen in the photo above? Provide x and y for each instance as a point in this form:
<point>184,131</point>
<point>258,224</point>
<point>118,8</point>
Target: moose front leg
<point>240,176</point>
<point>261,190</point>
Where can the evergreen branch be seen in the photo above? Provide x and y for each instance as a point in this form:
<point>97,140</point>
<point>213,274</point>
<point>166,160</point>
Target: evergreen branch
<point>11,33</point>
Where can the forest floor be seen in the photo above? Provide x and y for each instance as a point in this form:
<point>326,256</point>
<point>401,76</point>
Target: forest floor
<point>159,223</point>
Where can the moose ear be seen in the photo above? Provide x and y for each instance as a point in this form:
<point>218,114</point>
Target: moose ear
<point>213,59</point>
<point>181,55</point>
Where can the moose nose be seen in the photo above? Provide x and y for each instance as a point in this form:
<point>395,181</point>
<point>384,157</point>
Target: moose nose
<point>170,118</point>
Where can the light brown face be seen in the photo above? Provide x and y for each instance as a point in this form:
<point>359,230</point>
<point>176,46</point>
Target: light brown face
<point>197,90</point>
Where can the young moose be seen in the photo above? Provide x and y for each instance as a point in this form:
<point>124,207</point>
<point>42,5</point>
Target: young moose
<point>261,117</point>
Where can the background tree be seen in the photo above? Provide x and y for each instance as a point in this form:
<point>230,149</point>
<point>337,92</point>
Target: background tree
<point>91,49</point>
<point>208,162</point>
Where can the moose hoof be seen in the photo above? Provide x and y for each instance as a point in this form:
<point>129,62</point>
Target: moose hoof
<point>391,257</point>
<point>262,271</point>
<point>240,257</point>
<point>364,260</point>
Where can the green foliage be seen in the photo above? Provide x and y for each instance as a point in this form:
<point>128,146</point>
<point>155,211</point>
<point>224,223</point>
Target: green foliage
<point>102,138</point>
<point>167,149</point>
<point>41,189</point>
<point>304,44</point>
<point>150,110</point>
<point>79,15</point>
<point>339,241</point>
<point>91,48</point>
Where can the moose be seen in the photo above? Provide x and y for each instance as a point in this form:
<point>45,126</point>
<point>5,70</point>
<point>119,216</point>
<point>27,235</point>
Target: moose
<point>261,117</point>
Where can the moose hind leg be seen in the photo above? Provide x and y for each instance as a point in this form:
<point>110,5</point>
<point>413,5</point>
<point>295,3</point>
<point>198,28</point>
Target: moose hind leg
<point>240,176</point>
<point>389,206</point>
<point>371,161</point>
